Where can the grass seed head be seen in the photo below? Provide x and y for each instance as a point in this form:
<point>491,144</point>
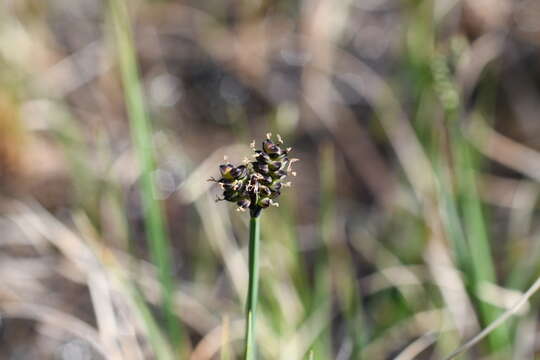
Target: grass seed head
<point>257,184</point>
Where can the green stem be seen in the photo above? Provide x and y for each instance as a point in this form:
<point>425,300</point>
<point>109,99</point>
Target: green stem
<point>141,131</point>
<point>253,286</point>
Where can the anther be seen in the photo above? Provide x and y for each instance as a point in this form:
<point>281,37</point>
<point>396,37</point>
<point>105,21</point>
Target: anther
<point>292,161</point>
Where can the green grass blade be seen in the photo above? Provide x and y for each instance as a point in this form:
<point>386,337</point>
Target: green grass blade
<point>141,132</point>
<point>481,260</point>
<point>155,336</point>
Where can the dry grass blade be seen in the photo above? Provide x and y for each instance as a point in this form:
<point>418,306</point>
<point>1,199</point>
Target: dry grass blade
<point>417,325</point>
<point>209,346</point>
<point>299,344</point>
<point>217,226</point>
<point>452,287</point>
<point>117,334</point>
<point>499,321</point>
<point>56,319</point>
<point>505,150</point>
<point>417,346</point>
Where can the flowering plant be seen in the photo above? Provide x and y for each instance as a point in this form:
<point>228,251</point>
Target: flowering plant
<point>256,185</point>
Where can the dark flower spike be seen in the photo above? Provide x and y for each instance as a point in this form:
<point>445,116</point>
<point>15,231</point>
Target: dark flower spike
<point>256,185</point>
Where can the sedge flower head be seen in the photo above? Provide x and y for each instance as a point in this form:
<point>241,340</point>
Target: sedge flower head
<point>256,185</point>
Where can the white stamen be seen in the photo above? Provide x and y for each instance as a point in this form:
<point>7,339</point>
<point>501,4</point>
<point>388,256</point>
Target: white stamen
<point>293,173</point>
<point>279,139</point>
<point>252,145</point>
<point>289,149</point>
<point>268,135</point>
<point>287,184</point>
<point>225,157</point>
<point>292,161</point>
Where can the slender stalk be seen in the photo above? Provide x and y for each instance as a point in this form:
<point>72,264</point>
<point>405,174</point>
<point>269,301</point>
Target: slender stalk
<point>141,131</point>
<point>253,286</point>
<point>498,322</point>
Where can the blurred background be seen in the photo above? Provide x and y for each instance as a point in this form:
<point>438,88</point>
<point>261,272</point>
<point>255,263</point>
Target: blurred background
<point>412,223</point>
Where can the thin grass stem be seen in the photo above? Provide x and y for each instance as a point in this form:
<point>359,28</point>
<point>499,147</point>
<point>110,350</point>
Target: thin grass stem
<point>141,131</point>
<point>498,322</point>
<point>253,287</point>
